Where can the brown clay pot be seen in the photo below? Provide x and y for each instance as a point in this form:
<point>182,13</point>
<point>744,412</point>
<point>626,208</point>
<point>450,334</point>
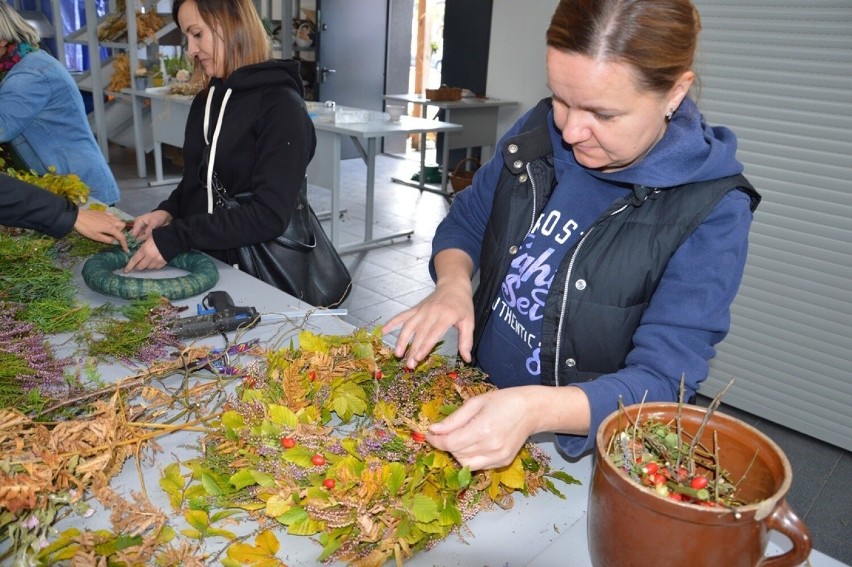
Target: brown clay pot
<point>629,524</point>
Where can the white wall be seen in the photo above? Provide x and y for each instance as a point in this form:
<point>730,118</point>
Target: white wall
<point>516,58</point>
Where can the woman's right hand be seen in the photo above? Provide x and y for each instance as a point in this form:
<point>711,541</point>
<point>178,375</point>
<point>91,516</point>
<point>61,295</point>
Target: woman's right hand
<point>144,224</point>
<point>450,305</point>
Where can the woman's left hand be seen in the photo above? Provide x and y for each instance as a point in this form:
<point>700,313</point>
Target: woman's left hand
<point>147,257</point>
<point>487,431</point>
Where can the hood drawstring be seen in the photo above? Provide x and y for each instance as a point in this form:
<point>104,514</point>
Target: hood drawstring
<point>212,154</point>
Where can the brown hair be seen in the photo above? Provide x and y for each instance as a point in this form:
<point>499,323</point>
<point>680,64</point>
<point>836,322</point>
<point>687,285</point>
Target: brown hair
<point>658,38</point>
<point>239,24</point>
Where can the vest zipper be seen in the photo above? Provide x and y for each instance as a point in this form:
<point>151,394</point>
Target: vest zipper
<point>558,354</point>
<point>535,198</point>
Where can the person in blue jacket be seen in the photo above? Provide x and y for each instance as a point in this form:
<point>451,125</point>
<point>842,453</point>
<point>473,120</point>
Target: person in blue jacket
<point>24,205</point>
<point>609,234</point>
<point>41,111</point>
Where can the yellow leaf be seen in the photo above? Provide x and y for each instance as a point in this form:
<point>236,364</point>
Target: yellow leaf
<point>277,505</point>
<point>511,476</point>
<point>260,555</point>
<point>431,410</point>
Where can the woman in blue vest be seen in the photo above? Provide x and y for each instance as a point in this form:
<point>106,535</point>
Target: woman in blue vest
<point>609,235</point>
<point>41,111</point>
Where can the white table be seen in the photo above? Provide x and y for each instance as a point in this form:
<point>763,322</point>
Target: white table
<point>538,531</point>
<point>478,117</point>
<point>324,169</point>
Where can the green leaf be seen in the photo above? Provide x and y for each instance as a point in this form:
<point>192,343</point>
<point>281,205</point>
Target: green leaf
<point>464,477</point>
<point>423,508</point>
<point>329,549</point>
<point>282,415</point>
<point>166,534</point>
<point>293,515</point>
<point>310,342</point>
<point>63,548</point>
<point>364,350</point>
<point>214,532</point>
<point>249,477</point>
<point>299,455</point>
<point>172,483</point>
<point>564,477</point>
<point>124,541</point>
<point>450,516</point>
<point>350,446</point>
<point>349,399</point>
<point>242,479</point>
<point>232,421</point>
<point>304,527</point>
<point>222,514</point>
<point>198,519</point>
<point>395,478</point>
<point>265,480</point>
<point>268,429</point>
<point>252,395</point>
<point>194,534</point>
<point>210,485</point>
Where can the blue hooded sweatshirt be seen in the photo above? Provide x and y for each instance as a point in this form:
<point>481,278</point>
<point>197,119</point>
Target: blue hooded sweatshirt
<point>690,311</point>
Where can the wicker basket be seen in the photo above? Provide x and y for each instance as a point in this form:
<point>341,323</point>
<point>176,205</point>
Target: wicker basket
<point>444,93</point>
<point>460,178</point>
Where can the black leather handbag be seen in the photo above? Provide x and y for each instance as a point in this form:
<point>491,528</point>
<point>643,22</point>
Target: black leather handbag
<point>302,261</point>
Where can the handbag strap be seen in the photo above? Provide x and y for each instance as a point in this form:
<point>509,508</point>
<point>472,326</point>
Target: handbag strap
<point>299,234</point>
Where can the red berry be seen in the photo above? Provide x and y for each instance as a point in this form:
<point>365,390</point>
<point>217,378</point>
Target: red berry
<point>328,483</point>
<point>682,474</point>
<point>318,460</point>
<point>312,375</point>
<point>453,375</point>
<point>288,442</point>
<point>378,374</point>
<point>418,437</point>
<point>698,482</point>
<point>651,468</point>
<point>675,496</point>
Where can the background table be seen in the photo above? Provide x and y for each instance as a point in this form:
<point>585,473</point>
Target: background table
<point>324,169</point>
<point>478,118</point>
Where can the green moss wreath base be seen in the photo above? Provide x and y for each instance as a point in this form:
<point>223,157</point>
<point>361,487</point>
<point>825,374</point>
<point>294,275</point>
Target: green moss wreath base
<point>99,274</point>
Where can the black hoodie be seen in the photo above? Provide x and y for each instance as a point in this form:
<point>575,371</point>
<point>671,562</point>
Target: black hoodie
<point>263,146</point>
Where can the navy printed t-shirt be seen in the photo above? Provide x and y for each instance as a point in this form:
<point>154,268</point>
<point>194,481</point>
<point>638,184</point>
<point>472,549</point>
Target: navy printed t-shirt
<point>510,345</point>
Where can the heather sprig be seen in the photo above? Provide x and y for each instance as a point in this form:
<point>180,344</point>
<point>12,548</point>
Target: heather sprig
<point>26,361</point>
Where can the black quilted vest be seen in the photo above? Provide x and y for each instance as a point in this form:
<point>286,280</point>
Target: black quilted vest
<point>606,281</point>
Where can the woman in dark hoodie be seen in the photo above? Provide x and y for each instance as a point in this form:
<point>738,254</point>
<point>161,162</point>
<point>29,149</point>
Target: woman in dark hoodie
<point>248,131</point>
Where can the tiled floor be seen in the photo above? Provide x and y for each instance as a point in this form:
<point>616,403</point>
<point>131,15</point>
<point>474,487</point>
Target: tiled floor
<point>390,278</point>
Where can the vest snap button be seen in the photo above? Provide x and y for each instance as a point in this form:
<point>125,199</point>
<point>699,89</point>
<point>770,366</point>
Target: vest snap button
<point>513,250</point>
<point>518,164</point>
<point>513,148</point>
<point>570,363</point>
<point>523,178</point>
<point>580,284</point>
